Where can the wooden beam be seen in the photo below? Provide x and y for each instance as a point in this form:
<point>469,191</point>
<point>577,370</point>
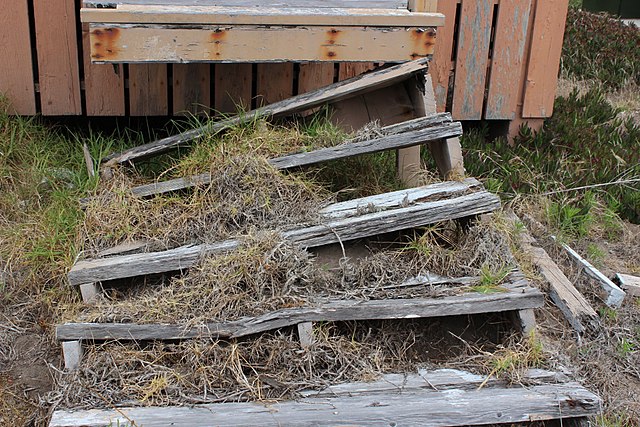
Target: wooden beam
<point>131,43</point>
<point>225,15</point>
<point>631,284</point>
<point>72,354</point>
<point>453,407</point>
<point>305,334</point>
<point>398,214</point>
<point>357,4</point>
<point>337,91</point>
<point>519,297</point>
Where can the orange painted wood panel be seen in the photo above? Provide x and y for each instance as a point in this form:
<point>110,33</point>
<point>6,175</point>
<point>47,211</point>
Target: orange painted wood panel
<point>440,68</point>
<point>314,75</point>
<point>510,40</point>
<point>58,65</point>
<point>544,59</point>
<point>148,94</point>
<point>191,88</point>
<point>16,68</point>
<point>473,54</point>
<point>232,87</point>
<point>103,84</point>
<point>275,82</point>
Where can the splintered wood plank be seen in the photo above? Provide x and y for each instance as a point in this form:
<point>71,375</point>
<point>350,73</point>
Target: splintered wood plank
<point>315,75</point>
<point>544,59</point>
<point>191,88</point>
<point>357,4</point>
<point>440,69</point>
<point>148,90</point>
<point>337,91</point>
<point>419,407</point>
<point>275,82</point>
<point>156,43</point>
<point>404,215</point>
<point>58,67</point>
<point>233,87</point>
<point>16,68</point>
<point>518,297</point>
<point>224,15</point>
<point>103,83</point>
<point>473,54</point>
<point>508,55</point>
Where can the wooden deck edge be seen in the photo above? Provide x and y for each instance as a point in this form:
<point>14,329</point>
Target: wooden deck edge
<point>519,297</point>
<point>452,407</point>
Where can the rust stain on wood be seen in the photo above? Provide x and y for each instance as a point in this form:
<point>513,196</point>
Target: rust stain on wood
<point>104,43</point>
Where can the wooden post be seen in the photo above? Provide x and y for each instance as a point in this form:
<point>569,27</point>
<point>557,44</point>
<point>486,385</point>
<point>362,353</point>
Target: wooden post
<point>305,333</point>
<point>526,321</point>
<point>72,354</point>
<point>90,292</point>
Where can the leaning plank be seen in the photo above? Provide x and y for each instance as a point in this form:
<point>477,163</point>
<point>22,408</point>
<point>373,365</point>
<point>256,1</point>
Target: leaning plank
<point>615,295</point>
<point>417,214</point>
<point>573,305</point>
<point>631,284</point>
<point>337,91</point>
<point>518,297</point>
<point>422,407</point>
<point>226,15</point>
<point>420,133</point>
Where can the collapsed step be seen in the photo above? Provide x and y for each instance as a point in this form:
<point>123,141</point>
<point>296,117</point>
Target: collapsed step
<point>427,398</point>
<point>341,222</point>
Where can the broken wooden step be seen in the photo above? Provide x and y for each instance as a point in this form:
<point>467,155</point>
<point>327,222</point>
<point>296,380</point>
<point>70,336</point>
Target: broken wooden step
<point>426,398</point>
<point>407,134</point>
<point>365,217</point>
<point>338,91</point>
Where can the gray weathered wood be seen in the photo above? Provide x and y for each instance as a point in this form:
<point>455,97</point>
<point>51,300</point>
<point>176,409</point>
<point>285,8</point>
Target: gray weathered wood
<point>526,321</point>
<point>573,305</point>
<point>615,295</point>
<point>519,297</point>
<point>89,292</point>
<point>631,284</point>
<point>405,134</point>
<point>88,160</point>
<point>337,91</point>
<point>422,407</point>
<point>305,334</point>
<point>72,354</point>
<point>330,231</point>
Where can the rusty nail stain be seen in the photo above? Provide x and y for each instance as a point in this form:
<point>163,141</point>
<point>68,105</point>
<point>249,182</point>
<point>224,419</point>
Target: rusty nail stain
<point>334,31</point>
<point>97,32</point>
<point>331,54</point>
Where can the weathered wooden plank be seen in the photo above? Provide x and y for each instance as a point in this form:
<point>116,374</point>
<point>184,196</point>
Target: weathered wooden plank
<point>508,55</point>
<point>544,59</point>
<point>373,4</point>
<point>330,231</point>
<point>341,90</point>
<point>346,70</point>
<point>232,88</point>
<point>573,305</point>
<point>209,43</point>
<point>441,67</point>
<point>58,66</point>
<point>72,354</point>
<point>191,88</point>
<point>615,295</point>
<point>518,298</point>
<point>225,15</point>
<point>274,82</point>
<point>490,405</point>
<point>630,284</point>
<point>148,93</point>
<point>15,44</point>
<point>473,54</point>
<point>395,139</point>
<point>314,75</point>
<point>98,77</point>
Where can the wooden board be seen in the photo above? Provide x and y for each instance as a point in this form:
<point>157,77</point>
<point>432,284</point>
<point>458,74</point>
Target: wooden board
<point>398,214</point>
<point>630,284</point>
<point>508,56</point>
<point>441,68</point>
<point>225,15</point>
<point>58,66</point>
<point>155,43</point>
<point>418,407</point>
<point>98,77</point>
<point>274,82</point>
<point>314,75</point>
<point>471,63</point>
<point>148,94</point>
<point>191,88</point>
<point>374,4</point>
<point>338,91</point>
<point>233,88</point>
<point>544,59</point>
<point>347,70</point>
<point>519,296</point>
<point>16,68</point>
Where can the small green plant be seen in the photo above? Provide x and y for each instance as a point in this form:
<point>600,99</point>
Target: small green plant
<point>626,347</point>
<point>595,254</point>
<point>510,361</point>
<point>491,279</point>
<point>609,315</point>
